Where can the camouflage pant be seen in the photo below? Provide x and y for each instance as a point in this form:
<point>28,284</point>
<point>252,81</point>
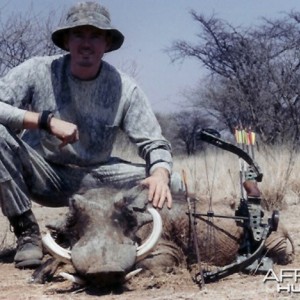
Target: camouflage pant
<point>26,176</point>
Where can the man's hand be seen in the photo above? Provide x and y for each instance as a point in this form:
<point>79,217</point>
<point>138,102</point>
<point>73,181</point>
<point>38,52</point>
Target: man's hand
<point>65,131</point>
<point>158,185</point>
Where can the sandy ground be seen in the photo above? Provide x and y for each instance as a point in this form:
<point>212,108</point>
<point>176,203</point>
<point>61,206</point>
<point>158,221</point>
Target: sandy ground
<point>14,283</point>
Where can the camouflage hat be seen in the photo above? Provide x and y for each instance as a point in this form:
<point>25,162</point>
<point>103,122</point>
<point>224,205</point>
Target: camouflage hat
<point>88,13</point>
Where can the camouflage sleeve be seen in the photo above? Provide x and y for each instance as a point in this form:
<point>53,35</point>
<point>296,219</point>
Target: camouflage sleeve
<point>14,93</point>
<point>144,130</point>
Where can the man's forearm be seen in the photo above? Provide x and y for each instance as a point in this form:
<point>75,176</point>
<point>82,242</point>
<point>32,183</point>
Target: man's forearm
<point>31,120</point>
<point>11,116</point>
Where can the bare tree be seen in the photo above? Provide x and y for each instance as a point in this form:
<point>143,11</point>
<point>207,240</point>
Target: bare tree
<point>187,124</point>
<point>25,35</point>
<point>254,74</point>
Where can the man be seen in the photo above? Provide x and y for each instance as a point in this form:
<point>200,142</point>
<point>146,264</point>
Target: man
<point>70,107</point>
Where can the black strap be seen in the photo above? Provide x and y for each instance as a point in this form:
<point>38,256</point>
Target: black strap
<point>44,120</point>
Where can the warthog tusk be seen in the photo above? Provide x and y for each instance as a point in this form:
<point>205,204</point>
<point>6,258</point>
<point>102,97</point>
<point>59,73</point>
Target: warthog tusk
<point>152,240</point>
<point>57,251</point>
<point>132,273</point>
<point>72,278</point>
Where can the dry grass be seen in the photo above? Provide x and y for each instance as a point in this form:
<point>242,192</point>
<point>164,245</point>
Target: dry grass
<point>214,174</point>
<point>281,185</point>
<point>211,176</point>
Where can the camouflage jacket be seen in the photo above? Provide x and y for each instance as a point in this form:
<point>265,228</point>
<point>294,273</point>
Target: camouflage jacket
<point>98,107</point>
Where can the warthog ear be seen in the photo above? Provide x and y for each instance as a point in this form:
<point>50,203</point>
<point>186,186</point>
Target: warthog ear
<point>134,198</point>
<point>137,197</point>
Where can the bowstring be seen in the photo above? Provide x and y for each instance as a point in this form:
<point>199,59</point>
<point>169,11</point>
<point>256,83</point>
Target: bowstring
<point>210,230</point>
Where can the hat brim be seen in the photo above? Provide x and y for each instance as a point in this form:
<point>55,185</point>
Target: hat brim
<point>58,36</point>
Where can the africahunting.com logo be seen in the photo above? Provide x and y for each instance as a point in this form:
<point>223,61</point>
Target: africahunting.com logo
<point>285,280</point>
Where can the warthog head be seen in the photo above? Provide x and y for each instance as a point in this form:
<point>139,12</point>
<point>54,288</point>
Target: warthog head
<point>100,230</point>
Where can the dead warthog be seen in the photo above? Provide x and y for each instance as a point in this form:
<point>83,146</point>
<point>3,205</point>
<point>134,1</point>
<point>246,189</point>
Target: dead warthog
<point>109,234</point>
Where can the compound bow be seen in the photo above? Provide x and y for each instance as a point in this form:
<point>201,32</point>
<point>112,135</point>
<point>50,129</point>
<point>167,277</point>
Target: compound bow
<point>249,214</point>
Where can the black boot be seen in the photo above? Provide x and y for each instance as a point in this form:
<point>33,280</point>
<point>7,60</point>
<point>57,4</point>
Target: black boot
<point>29,252</point>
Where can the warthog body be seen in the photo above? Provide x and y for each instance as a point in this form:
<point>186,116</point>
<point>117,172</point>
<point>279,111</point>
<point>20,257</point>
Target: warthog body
<point>103,228</point>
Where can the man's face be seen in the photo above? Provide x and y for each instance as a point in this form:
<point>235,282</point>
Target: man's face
<point>87,45</point>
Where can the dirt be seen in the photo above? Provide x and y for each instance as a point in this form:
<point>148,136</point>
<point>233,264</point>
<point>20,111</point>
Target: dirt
<point>15,283</point>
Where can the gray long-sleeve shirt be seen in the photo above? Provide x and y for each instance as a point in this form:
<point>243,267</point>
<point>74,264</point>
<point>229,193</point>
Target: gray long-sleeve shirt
<point>98,107</point>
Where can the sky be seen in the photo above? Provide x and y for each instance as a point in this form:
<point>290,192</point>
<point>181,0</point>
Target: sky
<point>150,26</point>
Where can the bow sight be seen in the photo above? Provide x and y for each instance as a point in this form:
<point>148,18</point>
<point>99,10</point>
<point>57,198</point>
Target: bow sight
<point>249,215</point>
